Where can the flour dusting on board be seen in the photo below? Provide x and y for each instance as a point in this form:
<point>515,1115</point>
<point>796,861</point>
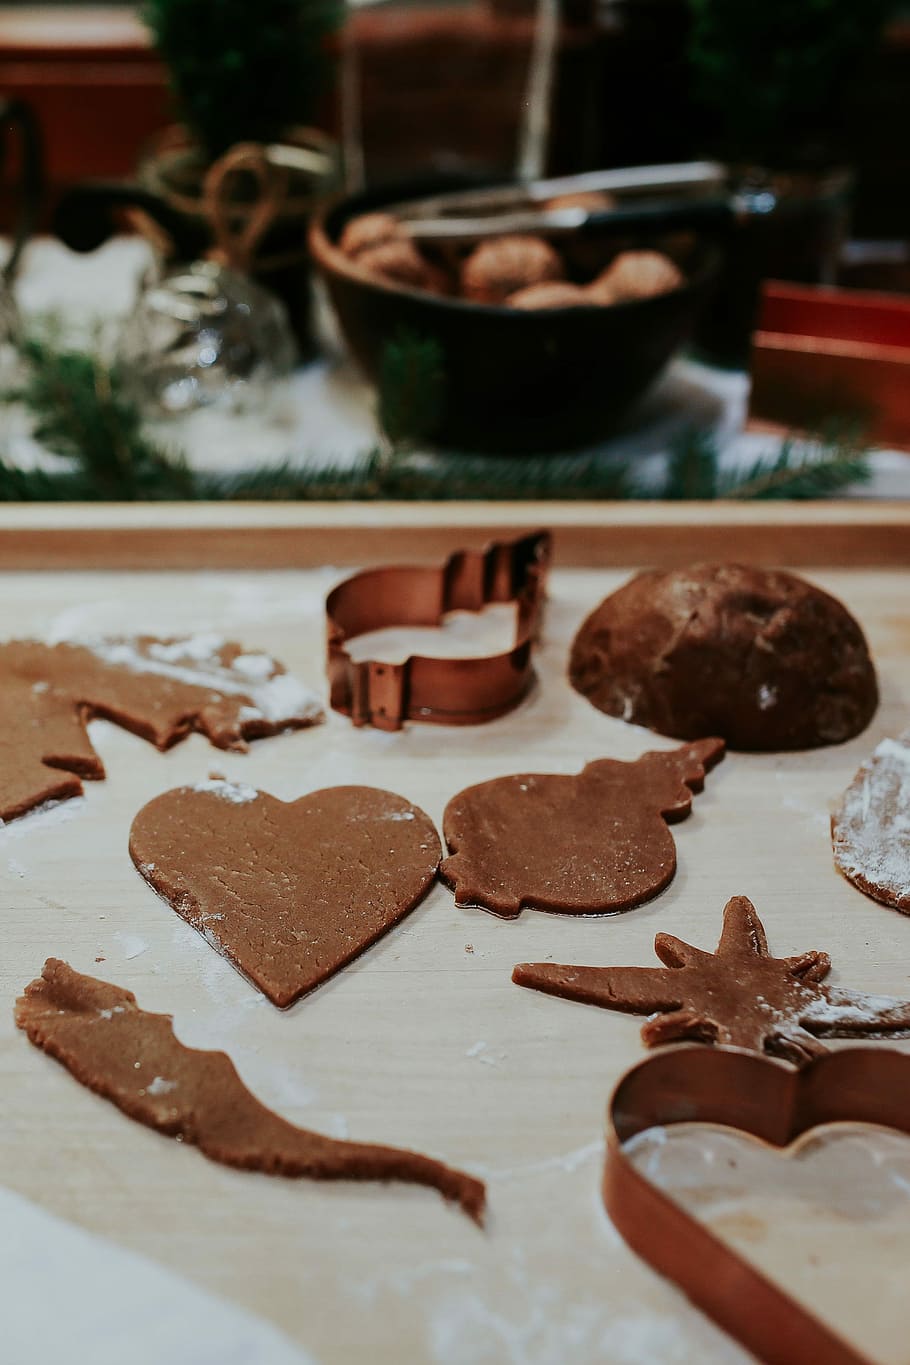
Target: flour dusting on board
<point>237,793</point>
<point>871,828</point>
<point>159,1085</point>
<point>39,818</point>
<point>850,1010</point>
<point>131,945</point>
<point>197,661</point>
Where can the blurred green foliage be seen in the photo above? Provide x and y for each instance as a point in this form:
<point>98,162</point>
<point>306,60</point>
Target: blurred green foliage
<point>771,76</point>
<point>244,70</point>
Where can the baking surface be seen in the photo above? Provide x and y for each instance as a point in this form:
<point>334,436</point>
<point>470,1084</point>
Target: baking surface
<point>424,1041</point>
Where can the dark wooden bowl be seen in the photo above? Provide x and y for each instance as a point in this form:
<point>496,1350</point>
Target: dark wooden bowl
<point>516,381</point>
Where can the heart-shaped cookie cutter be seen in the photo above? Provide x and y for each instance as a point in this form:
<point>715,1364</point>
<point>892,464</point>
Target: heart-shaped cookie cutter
<point>768,1100</point>
<point>440,691</point>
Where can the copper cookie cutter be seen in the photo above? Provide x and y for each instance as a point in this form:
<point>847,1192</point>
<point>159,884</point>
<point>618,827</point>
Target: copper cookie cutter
<point>440,691</point>
<point>766,1099</point>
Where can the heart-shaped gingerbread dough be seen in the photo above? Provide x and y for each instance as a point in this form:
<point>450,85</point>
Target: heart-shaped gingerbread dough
<point>289,892</point>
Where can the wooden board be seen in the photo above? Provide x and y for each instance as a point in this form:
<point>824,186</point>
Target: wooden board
<point>425,1041</point>
<point>305,535</point>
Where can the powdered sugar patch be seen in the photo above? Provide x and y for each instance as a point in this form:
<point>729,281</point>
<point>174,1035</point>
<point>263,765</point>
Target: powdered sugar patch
<point>131,945</point>
<point>273,697</point>
<point>871,829</point>
<point>237,793</point>
<point>50,813</point>
<point>160,1086</point>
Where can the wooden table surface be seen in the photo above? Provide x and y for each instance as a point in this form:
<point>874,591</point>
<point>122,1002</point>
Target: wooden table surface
<point>424,1041</point>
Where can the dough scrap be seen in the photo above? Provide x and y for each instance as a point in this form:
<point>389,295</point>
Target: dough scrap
<point>870,829</point>
<point>761,657</point>
<point>289,892</point>
<point>131,1057</point>
<point>738,996</point>
<point>160,689</point>
<point>593,843</point>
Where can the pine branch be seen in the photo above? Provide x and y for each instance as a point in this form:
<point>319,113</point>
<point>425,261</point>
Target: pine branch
<point>442,478</point>
<point>412,385</point>
<point>40,485</point>
<point>506,478</point>
<point>692,469</point>
<point>288,481</point>
<point>798,471</point>
<point>83,413</point>
<point>797,476</point>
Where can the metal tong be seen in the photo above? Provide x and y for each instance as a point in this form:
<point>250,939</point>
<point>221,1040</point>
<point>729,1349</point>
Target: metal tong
<point>660,198</point>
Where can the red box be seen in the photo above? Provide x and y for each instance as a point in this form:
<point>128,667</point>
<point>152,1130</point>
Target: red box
<point>821,354</point>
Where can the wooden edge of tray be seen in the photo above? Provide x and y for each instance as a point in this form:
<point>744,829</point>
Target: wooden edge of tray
<point>187,536</point>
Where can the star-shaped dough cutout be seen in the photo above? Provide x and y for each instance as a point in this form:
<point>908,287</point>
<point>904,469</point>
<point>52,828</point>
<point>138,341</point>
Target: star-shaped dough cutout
<point>739,995</point>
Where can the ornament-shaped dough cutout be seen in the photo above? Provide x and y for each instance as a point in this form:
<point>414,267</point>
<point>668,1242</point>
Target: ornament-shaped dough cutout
<point>594,843</point>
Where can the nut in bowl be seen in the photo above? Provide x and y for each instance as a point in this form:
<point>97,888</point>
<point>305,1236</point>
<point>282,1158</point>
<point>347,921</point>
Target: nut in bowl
<point>536,358</point>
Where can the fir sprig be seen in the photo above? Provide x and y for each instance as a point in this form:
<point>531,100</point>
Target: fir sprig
<point>37,485</point>
<point>82,412</point>
<point>691,472</point>
<point>800,470</point>
<point>796,474</point>
<point>412,389</point>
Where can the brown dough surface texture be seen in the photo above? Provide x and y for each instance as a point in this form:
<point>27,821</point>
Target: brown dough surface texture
<point>503,265</point>
<point>158,689</point>
<point>637,275</point>
<point>289,892</point>
<point>762,658</point>
<point>594,843</point>
<point>870,829</point>
<point>132,1058</point>
<point>738,996</point>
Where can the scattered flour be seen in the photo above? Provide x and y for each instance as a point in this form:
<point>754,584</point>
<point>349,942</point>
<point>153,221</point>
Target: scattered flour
<point>237,793</point>
<point>39,819</point>
<point>131,944</point>
<point>159,1086</point>
<point>871,828</point>
<point>259,667</point>
<point>851,1009</point>
<point>274,697</point>
<point>767,697</point>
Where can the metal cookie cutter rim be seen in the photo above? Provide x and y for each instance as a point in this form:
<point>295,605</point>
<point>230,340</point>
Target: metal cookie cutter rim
<point>766,1099</point>
<point>437,690</point>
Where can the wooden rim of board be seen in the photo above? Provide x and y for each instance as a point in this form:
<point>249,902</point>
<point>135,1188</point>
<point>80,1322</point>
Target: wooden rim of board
<point>147,536</point>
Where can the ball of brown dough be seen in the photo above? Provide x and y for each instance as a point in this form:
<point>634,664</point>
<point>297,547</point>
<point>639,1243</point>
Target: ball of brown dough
<point>399,262</point>
<point>501,267</point>
<point>555,294</point>
<point>368,231</point>
<point>761,658</point>
<point>637,275</point>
